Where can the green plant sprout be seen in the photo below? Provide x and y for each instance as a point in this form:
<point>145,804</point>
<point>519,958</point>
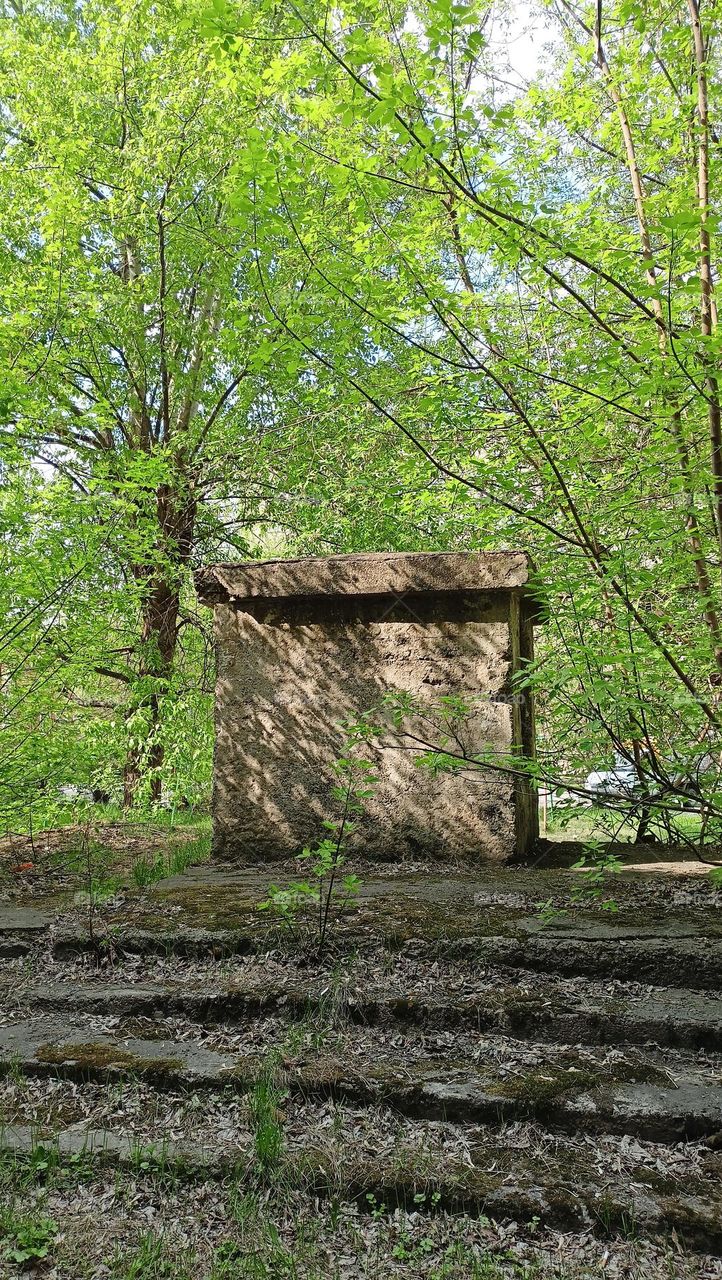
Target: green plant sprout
<point>32,1240</point>
<point>264,1103</point>
<point>596,865</point>
<point>327,891</point>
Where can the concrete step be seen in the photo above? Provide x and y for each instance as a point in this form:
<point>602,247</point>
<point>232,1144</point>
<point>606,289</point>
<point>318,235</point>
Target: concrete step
<point>483,1079</point>
<point>671,1017</point>
<point>449,1053</point>
<point>673,947</point>
<point>672,958</point>
<point>676,959</point>
<point>559,1188</point>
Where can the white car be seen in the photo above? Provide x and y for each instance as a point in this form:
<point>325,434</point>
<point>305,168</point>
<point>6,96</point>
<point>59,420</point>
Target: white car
<point>621,782</point>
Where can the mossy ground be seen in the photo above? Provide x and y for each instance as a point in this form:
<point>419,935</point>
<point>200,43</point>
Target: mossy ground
<point>400,904</point>
<point>89,1058</point>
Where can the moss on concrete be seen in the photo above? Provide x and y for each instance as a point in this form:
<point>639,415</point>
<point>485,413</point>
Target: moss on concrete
<point>101,1056</point>
<point>547,1084</point>
<point>572,1074</point>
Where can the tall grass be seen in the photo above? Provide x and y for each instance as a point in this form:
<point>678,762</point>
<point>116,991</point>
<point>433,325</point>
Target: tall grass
<point>173,862</point>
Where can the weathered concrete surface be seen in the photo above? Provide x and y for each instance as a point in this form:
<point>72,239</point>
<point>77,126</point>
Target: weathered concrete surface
<point>303,645</point>
<point>107,1147</point>
<point>693,961</point>
<point>21,928</point>
<point>557,1092</point>
<point>23,920</point>
<point>558,1191</point>
<point>375,573</point>
<point>57,1046</point>
<point>660,963</point>
<point>689,1110</point>
<point>670,1017</point>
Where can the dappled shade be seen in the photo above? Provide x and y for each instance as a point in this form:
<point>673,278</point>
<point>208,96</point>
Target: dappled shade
<point>306,644</point>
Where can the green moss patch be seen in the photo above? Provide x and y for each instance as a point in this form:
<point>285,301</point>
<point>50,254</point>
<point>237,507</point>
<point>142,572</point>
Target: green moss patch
<point>101,1056</point>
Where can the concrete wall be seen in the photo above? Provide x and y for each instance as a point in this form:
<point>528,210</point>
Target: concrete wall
<point>290,668</point>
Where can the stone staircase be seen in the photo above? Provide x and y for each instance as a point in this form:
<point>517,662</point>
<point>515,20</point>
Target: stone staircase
<point>572,1077</point>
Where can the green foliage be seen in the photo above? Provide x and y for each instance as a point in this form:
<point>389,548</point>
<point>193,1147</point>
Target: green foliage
<point>531,268</point>
<point>265,1102</point>
<point>173,862</point>
<point>275,286</point>
<point>548,912</point>
<point>31,1239</point>
<point>43,1161</point>
<point>596,866</point>
<point>135,404</point>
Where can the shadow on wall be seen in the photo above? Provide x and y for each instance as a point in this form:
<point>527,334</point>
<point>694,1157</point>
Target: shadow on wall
<point>289,670</point>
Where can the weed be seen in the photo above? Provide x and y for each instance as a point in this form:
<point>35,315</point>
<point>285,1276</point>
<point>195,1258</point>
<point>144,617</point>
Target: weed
<point>432,1200</point>
<point>41,1166</point>
<point>375,1209</point>
<point>149,1261</point>
<point>264,1103</point>
<point>43,1160</point>
<point>406,1250</point>
<point>258,1251</point>
<point>334,1213</point>
<point>616,1220</point>
<point>14,1072</point>
<point>173,863</point>
<point>243,1206</point>
<point>330,892</point>
<point>268,1260</point>
<point>90,861</point>
<point>31,1239</point>
<point>145,872</point>
<point>146,1158</point>
<point>547,913</point>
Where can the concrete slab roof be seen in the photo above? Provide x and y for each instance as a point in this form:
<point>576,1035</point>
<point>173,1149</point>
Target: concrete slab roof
<point>369,574</point>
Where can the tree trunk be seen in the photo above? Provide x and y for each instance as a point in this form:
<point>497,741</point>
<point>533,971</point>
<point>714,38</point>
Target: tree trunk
<point>176,513</point>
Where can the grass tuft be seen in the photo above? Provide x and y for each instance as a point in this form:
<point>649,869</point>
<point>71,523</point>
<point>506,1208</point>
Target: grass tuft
<point>172,863</point>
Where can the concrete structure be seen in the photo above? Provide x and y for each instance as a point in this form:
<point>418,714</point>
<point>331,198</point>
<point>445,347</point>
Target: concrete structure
<point>304,644</point>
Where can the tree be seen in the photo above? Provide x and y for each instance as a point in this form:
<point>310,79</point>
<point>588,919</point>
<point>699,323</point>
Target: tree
<point>137,352</point>
<point>327,282</point>
<point>531,280</point>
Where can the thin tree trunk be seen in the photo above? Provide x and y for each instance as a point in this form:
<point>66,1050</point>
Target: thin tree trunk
<point>707,310</point>
<point>158,639</point>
